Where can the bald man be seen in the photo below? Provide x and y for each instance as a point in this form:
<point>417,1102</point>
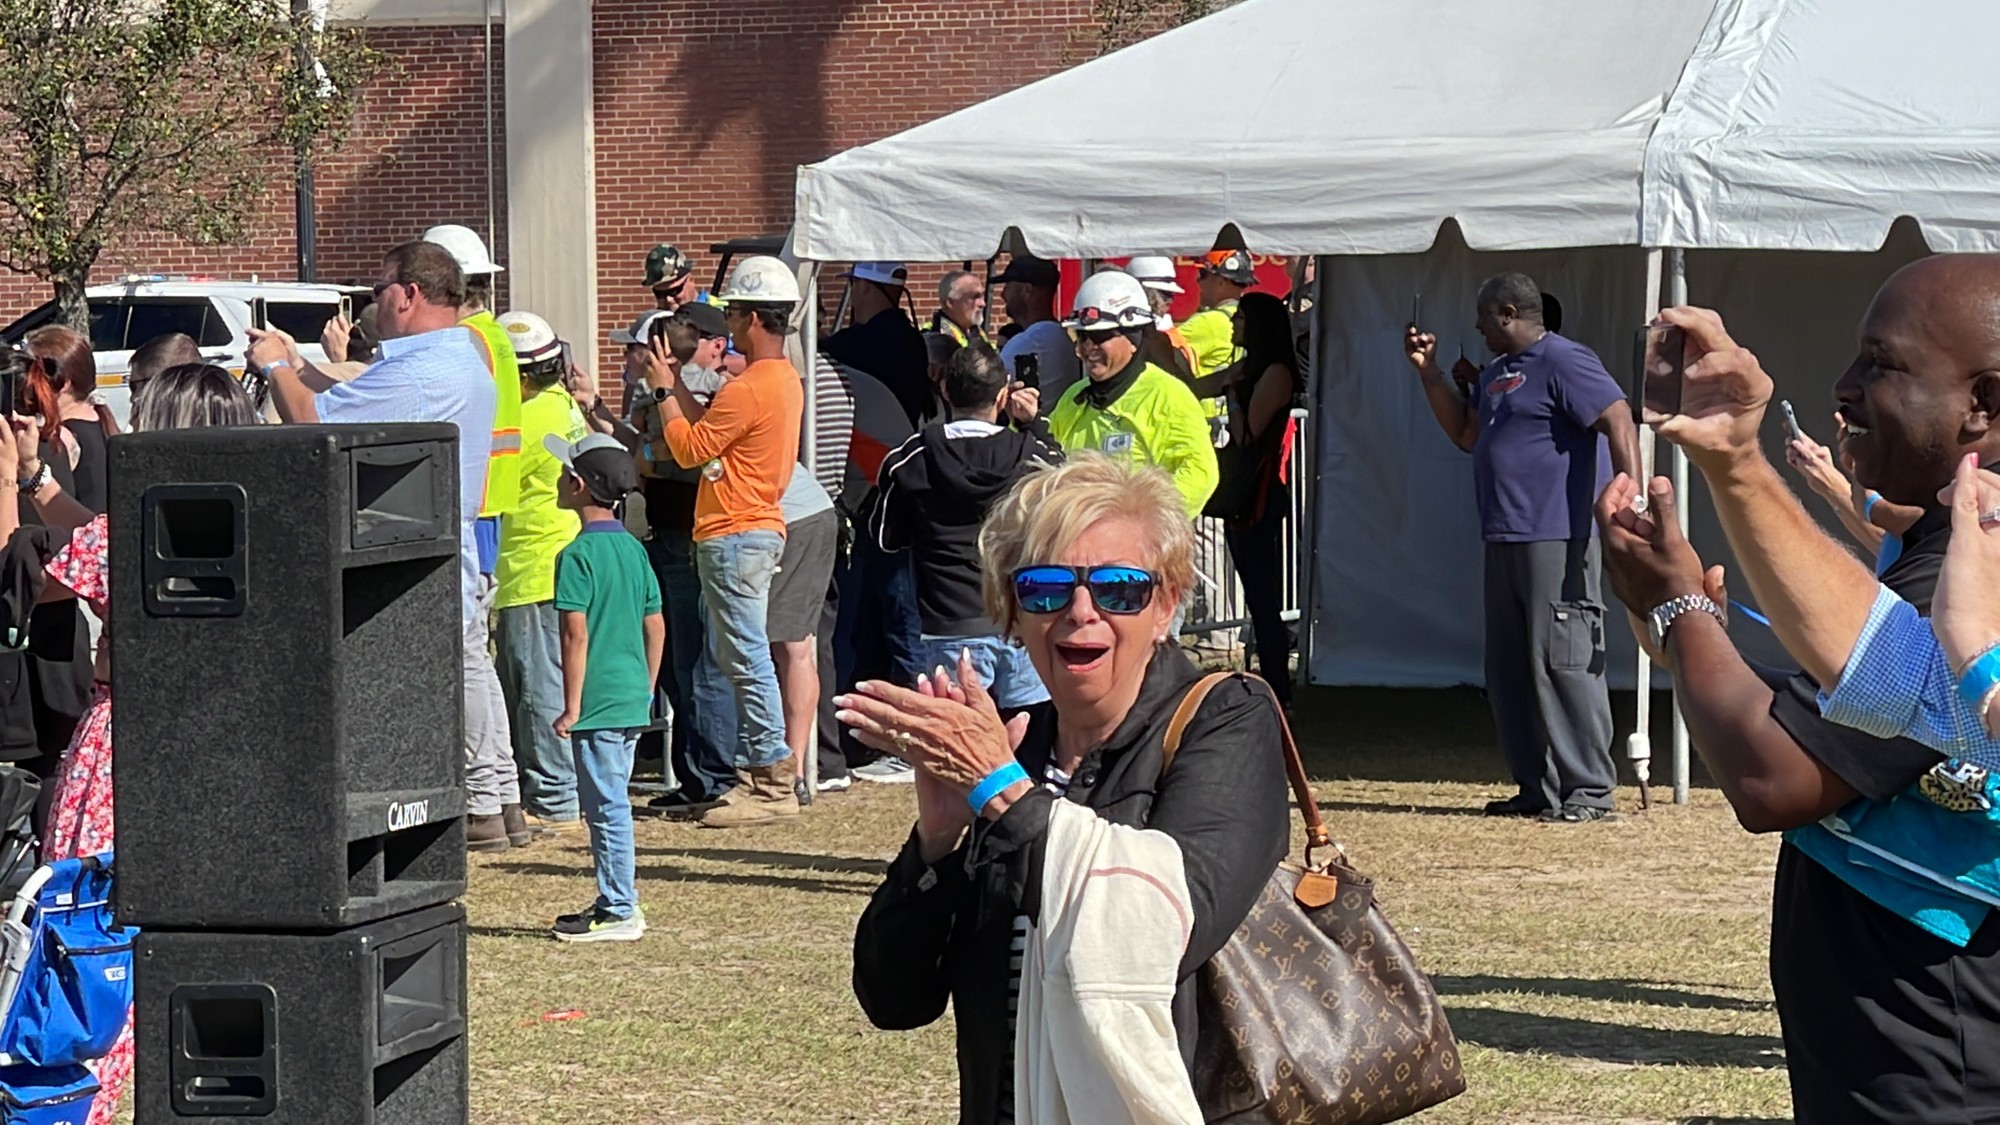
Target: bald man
<point>1885,959</point>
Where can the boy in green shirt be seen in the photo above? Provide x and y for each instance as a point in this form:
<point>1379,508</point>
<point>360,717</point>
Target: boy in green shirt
<point>612,636</point>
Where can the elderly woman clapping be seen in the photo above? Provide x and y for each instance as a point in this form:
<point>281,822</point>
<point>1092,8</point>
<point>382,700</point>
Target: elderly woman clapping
<point>1008,900</point>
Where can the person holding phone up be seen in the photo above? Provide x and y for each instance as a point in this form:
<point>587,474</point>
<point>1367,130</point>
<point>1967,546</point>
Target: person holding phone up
<point>1535,413</point>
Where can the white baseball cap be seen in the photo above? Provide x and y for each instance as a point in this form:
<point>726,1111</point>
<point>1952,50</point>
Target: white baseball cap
<point>464,245</point>
<point>1155,271</point>
<point>882,273</point>
<point>641,329</point>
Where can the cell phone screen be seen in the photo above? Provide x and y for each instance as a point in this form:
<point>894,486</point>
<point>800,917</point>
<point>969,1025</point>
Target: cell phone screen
<point>1662,365</point>
<point>259,315</point>
<point>1028,370</point>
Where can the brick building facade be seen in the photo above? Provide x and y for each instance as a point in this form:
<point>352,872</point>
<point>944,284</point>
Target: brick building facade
<point>701,112</point>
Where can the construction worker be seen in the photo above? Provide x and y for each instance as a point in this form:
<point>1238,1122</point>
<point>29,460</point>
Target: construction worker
<point>503,476</point>
<point>667,275</point>
<point>1225,275</point>
<point>1126,407</point>
<point>1169,350</point>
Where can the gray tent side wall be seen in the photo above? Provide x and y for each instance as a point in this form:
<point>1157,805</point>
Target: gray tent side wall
<point>1397,587</point>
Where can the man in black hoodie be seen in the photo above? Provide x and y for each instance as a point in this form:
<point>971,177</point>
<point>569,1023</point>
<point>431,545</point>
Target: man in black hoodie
<point>935,492</point>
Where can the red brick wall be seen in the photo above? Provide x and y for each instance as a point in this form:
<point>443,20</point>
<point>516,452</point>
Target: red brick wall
<point>416,156</point>
<point>704,110</point>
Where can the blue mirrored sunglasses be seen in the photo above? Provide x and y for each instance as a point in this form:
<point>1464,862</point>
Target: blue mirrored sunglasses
<point>1118,590</point>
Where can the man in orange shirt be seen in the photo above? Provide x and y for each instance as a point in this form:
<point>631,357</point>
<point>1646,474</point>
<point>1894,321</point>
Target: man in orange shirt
<point>746,442</point>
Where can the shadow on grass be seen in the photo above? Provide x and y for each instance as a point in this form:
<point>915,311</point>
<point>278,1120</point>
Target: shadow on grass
<point>1522,1032</point>
<point>1624,991</point>
<point>1431,734</point>
<point>668,874</point>
<point>1392,807</point>
<point>859,864</point>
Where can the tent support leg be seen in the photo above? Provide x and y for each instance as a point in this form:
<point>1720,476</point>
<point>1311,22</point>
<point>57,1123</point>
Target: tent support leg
<point>1639,747</point>
<point>809,446</point>
<point>1678,292</point>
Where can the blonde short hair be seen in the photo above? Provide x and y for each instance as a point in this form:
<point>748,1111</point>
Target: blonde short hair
<point>1048,510</point>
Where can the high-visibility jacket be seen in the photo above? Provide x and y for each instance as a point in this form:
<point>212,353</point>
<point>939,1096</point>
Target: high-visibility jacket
<point>1212,334</point>
<point>503,475</point>
<point>1157,421</point>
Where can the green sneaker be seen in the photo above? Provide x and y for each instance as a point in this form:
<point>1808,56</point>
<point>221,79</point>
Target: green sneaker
<point>599,925</point>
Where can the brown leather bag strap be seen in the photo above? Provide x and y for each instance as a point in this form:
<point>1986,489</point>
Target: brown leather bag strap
<point>1316,834</point>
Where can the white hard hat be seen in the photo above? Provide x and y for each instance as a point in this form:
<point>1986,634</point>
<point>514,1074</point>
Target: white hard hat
<point>533,339</point>
<point>761,279</point>
<point>1155,271</point>
<point>466,246</point>
<point>1112,299</point>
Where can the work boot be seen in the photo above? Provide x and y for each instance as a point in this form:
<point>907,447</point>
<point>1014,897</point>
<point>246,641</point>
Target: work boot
<point>516,823</point>
<point>766,798</point>
<point>677,805</point>
<point>486,833</point>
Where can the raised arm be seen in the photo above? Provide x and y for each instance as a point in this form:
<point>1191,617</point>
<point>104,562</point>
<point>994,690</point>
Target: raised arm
<point>1455,417</point>
<point>1815,592</point>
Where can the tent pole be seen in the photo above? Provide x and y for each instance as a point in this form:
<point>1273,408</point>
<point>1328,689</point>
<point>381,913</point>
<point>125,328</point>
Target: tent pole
<point>1308,536</point>
<point>809,446</point>
<point>1639,747</point>
<point>1677,290</point>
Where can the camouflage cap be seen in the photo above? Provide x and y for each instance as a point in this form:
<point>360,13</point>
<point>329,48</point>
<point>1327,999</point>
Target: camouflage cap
<point>666,263</point>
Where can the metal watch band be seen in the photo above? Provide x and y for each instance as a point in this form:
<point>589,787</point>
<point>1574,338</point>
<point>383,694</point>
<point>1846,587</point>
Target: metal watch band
<point>1664,615</point>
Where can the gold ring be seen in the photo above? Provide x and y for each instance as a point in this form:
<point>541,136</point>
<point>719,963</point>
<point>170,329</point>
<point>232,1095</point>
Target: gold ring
<point>902,740</point>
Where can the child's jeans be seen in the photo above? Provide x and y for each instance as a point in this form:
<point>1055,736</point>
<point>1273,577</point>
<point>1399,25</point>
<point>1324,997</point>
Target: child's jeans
<point>603,771</point>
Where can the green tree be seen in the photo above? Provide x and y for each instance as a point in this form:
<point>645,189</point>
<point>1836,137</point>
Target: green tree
<point>1122,23</point>
<point>120,117</point>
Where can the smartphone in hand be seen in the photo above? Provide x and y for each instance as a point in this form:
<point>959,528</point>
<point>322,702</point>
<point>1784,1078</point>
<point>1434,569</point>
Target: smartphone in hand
<point>1662,367</point>
<point>1028,370</point>
<point>1417,311</point>
<point>1792,430</point>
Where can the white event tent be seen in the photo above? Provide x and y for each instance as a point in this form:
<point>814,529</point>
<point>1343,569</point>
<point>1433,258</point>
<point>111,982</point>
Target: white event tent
<point>1418,146</point>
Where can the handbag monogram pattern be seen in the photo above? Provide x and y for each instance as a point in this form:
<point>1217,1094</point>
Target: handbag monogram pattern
<point>1315,1011</point>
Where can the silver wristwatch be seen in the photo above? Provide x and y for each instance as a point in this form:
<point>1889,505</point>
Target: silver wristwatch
<point>1663,615</point>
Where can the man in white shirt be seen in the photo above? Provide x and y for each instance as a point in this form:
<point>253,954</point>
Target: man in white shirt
<point>431,370</point>
<point>1028,289</point>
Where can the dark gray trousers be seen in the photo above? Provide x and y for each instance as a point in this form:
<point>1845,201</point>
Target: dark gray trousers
<point>1545,670</point>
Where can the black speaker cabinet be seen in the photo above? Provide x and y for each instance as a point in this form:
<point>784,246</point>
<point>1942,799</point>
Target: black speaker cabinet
<point>359,1027</point>
<point>286,642</point>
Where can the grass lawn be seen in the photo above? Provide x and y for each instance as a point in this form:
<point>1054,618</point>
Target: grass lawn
<point>1611,972</point>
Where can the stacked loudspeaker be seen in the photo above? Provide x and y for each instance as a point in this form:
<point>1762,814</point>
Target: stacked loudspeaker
<point>287,649</point>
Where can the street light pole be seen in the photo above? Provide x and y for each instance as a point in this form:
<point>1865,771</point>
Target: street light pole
<point>306,21</point>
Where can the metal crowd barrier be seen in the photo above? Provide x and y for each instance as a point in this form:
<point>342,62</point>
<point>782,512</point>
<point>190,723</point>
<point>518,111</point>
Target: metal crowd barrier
<point>1218,606</point>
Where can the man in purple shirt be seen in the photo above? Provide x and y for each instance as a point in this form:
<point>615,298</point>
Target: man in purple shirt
<point>1532,425</point>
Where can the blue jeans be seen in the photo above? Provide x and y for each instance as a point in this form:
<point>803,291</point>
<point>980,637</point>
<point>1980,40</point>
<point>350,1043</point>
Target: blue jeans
<point>704,714</point>
<point>530,668</point>
<point>877,635</point>
<point>736,572</point>
<point>1002,666</point>
<point>603,771</point>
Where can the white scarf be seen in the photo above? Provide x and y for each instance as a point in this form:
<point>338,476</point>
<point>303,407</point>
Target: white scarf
<point>1094,1039</point>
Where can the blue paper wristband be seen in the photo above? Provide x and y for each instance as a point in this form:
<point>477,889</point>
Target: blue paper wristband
<point>995,784</point>
<point>1977,683</point>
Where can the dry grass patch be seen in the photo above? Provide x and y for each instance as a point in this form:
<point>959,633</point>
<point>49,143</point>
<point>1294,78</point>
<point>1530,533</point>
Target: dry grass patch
<point>1611,972</point>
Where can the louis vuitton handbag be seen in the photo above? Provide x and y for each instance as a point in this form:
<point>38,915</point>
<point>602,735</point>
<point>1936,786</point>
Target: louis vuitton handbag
<point>1314,1010</point>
